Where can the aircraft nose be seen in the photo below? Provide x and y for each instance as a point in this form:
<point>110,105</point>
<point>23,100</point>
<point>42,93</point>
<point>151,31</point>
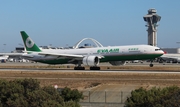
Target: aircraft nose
<point>163,52</point>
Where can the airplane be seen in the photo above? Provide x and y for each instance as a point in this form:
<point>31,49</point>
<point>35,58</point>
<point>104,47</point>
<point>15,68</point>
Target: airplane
<point>89,56</point>
<point>3,58</point>
<point>170,57</point>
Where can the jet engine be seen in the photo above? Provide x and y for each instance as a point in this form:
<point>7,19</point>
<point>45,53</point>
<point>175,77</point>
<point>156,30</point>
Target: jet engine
<point>91,60</point>
<point>117,63</point>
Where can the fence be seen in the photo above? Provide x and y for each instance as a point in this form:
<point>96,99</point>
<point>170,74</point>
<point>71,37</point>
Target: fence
<point>104,98</point>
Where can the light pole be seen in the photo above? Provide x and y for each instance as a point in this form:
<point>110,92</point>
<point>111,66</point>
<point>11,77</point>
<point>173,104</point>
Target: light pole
<point>50,46</point>
<point>4,47</point>
<point>178,44</point>
<point>20,44</point>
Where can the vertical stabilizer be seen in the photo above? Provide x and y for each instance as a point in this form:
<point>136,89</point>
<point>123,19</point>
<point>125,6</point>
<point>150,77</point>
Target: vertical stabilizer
<point>28,42</point>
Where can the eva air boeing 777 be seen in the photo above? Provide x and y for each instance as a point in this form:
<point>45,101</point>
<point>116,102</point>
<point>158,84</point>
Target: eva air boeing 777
<point>115,55</point>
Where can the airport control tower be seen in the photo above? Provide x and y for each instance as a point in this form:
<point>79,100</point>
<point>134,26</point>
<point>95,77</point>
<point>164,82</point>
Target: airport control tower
<point>152,19</point>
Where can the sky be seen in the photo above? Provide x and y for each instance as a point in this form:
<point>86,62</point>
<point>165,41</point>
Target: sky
<point>64,22</point>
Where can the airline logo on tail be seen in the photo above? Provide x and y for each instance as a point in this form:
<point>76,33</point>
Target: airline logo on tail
<point>29,42</point>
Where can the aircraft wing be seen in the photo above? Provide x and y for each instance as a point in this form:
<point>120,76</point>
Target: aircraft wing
<point>65,55</point>
<point>61,55</point>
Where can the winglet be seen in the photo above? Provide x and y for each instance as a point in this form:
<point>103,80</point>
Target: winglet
<point>28,43</point>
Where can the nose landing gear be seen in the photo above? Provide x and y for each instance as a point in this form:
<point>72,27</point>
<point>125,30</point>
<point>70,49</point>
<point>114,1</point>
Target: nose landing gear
<point>151,65</point>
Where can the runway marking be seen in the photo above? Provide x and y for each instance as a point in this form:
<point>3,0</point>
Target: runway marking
<point>108,79</point>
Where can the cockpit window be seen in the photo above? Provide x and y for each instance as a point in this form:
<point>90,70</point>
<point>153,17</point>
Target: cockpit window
<point>157,49</point>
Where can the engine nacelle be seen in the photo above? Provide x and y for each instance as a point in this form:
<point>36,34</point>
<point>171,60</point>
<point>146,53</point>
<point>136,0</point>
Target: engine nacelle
<point>117,63</point>
<point>91,60</point>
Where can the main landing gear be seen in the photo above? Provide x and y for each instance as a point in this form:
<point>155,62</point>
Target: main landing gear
<point>83,68</point>
<point>151,65</point>
<point>79,67</point>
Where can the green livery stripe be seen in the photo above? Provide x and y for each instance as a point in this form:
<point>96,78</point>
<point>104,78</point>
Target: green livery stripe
<point>130,57</point>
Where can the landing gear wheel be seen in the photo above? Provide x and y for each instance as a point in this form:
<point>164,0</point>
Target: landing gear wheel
<point>95,68</point>
<point>79,68</point>
<point>151,65</point>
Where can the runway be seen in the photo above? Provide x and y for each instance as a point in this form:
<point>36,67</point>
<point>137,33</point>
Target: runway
<point>91,71</point>
<point>168,68</point>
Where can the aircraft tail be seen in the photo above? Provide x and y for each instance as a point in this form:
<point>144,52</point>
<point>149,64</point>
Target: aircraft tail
<point>28,43</point>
